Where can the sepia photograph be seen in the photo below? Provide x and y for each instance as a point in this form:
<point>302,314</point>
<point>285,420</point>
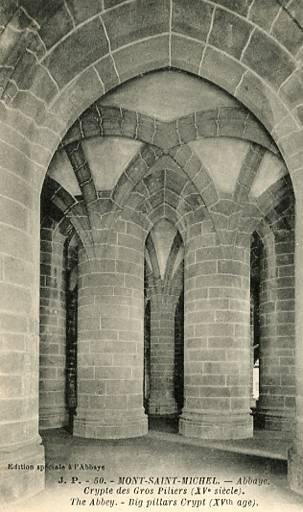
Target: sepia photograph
<point>151,255</point>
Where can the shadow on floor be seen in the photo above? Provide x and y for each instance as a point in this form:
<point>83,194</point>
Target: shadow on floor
<point>157,456</point>
<point>163,424</point>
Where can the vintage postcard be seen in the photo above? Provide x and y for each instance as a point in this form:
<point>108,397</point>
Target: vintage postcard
<point>151,239</point>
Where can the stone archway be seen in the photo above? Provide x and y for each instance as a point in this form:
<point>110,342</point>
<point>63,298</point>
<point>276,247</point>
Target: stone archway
<point>45,89</point>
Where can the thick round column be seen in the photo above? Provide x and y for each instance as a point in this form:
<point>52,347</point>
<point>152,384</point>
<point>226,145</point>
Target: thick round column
<point>217,338</point>
<point>162,355</point>
<point>52,404</point>
<point>20,443</point>
<point>276,405</point>
<point>295,459</point>
<point>111,337</point>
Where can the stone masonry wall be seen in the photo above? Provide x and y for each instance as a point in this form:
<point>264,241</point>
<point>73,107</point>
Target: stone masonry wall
<point>276,408</point>
<point>52,410</point>
<point>216,338</point>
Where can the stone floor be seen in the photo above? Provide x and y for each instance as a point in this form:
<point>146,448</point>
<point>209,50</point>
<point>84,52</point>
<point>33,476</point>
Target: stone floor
<point>163,453</point>
<point>264,443</point>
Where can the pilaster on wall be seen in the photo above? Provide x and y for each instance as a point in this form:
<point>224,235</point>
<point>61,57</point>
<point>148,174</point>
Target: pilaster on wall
<point>111,336</point>
<point>252,349</point>
<point>52,400</point>
<point>295,458</point>
<point>276,405</point>
<point>179,352</point>
<point>71,335</point>
<point>217,338</point>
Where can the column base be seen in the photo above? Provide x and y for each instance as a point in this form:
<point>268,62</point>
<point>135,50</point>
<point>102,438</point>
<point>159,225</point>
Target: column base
<point>162,407</point>
<point>122,428</point>
<point>19,475</point>
<point>295,470</point>
<point>276,421</point>
<point>212,426</point>
<point>52,418</point>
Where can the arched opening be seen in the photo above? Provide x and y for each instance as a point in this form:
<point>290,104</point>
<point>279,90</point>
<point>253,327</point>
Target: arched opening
<point>136,156</point>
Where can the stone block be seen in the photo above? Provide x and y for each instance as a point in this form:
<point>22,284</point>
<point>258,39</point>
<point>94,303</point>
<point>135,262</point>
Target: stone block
<point>221,69</point>
<point>88,40</point>
<point>32,482</point>
<point>15,298</point>
<point>231,267</point>
<point>132,21</point>
<point>264,13</point>
<point>200,317</point>
<point>141,57</point>
<point>186,54</point>
<point>287,31</point>
<point>204,268</point>
<point>229,33</point>
<point>128,254</point>
<point>82,11</point>
<point>58,24</point>
<point>166,136</point>
<point>267,59</point>
<point>11,386</point>
<point>259,98</point>
<point>194,22</point>
<point>295,470</point>
<point>237,6</point>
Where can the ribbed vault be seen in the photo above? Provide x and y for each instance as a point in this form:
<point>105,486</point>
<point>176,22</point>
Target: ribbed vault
<point>168,168</point>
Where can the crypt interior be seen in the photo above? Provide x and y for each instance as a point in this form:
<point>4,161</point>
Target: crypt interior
<point>151,228</point>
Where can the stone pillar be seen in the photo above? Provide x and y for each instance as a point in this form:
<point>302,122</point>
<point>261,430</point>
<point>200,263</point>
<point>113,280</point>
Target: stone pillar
<point>295,458</point>
<point>179,352</point>
<point>111,337</point>
<point>52,403</point>
<point>20,443</point>
<point>276,405</point>
<point>71,341</point>
<point>252,362</point>
<point>217,338</point>
<point>162,399</point>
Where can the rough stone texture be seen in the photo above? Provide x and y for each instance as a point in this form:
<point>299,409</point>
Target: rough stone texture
<point>268,59</point>
<point>90,36</point>
<point>194,22</point>
<point>19,313</point>
<point>276,407</point>
<point>264,13</point>
<point>110,339</point>
<point>295,470</point>
<point>296,454</point>
<point>162,399</point>
<point>216,340</point>
<point>52,410</point>
<point>133,21</point>
<point>229,33</point>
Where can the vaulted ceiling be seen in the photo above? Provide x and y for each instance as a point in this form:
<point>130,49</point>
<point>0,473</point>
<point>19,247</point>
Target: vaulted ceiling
<point>167,144</point>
